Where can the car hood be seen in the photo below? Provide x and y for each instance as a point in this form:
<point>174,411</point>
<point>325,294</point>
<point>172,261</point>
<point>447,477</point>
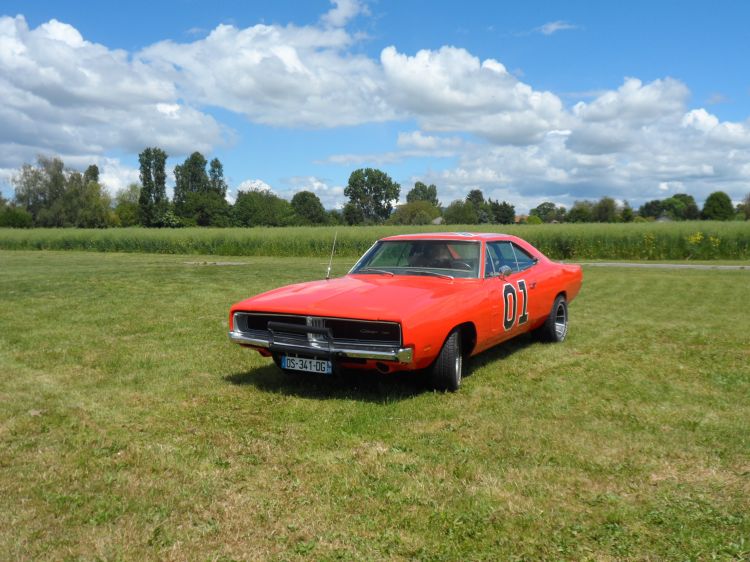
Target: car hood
<point>371,297</point>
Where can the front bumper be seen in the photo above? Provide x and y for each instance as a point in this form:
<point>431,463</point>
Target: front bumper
<point>330,350</point>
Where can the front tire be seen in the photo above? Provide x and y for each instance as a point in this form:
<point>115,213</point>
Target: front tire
<point>555,327</point>
<point>447,370</point>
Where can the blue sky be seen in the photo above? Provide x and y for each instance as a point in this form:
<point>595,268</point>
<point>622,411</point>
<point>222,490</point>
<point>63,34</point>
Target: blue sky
<point>528,101</point>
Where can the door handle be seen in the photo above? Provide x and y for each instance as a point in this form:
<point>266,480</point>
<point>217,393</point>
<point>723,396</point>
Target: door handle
<point>533,285</point>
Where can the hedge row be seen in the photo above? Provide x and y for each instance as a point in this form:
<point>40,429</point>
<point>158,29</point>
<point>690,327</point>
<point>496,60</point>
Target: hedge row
<point>642,241</point>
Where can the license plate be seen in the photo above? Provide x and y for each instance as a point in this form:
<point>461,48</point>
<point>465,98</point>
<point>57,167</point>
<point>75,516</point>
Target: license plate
<point>307,365</point>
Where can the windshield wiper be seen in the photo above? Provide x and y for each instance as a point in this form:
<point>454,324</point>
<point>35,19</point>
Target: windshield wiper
<point>433,273</point>
<point>374,270</point>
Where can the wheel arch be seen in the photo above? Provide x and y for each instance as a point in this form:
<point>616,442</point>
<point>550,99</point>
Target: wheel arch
<point>468,333</point>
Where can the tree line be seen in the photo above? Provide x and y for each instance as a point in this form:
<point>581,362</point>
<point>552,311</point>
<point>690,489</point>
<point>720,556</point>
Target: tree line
<point>49,195</point>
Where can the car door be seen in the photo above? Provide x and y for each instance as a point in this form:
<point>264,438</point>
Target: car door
<point>512,288</point>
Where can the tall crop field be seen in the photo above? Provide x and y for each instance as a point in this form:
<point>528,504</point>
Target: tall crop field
<point>643,241</point>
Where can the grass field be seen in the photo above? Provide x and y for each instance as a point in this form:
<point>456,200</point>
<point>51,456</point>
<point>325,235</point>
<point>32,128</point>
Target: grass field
<point>130,428</point>
<point>699,240</point>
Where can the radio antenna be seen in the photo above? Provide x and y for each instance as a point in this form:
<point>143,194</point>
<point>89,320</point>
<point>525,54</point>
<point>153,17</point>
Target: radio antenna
<point>330,262</point>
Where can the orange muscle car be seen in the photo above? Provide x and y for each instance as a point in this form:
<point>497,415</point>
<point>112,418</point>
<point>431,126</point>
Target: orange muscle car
<point>413,302</point>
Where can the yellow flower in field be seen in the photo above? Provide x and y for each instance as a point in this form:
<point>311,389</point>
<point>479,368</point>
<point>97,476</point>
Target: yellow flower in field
<point>695,239</point>
<point>715,241</point>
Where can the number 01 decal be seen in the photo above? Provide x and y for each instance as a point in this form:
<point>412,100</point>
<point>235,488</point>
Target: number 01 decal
<point>510,296</point>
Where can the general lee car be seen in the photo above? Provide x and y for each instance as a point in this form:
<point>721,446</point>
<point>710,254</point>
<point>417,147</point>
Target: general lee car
<point>416,302</point>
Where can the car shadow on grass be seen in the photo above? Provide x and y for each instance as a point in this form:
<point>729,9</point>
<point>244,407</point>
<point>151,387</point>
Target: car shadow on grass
<point>499,352</point>
<point>367,386</point>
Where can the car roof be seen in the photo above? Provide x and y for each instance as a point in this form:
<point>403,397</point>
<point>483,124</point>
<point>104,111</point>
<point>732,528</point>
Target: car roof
<point>467,236</point>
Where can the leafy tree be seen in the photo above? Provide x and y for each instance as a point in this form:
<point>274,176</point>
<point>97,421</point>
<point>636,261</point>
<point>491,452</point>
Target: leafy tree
<point>422,192</point>
<point>216,182</point>
<point>126,205</point>
<point>205,208</point>
<point>690,211</point>
<point>546,211</point>
<point>40,190</point>
<point>416,212</point>
<point>476,198</point>
<point>460,212</point>
<point>30,189</point>
<point>12,216</point>
<point>502,213</point>
<point>352,214</point>
<point>308,208</point>
<point>605,210</point>
<point>262,208</point>
<point>534,219</point>
<point>335,217</point>
<point>85,203</point>
<point>200,197</point>
<point>372,192</point>
<point>744,207</point>
<point>673,208</point>
<point>581,211</point>
<point>190,177</point>
<point>152,201</point>
<point>651,209</point>
<point>91,174</point>
<point>718,207</point>
<point>626,213</point>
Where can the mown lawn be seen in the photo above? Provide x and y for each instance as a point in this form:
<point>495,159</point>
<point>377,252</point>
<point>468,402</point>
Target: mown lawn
<point>130,428</point>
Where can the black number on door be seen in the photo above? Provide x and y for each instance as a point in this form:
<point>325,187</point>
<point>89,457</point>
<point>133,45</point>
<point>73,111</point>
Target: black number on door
<point>510,297</point>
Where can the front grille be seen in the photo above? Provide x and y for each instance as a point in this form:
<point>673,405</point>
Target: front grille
<point>356,334</point>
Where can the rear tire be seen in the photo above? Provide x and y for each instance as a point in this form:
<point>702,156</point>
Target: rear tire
<point>555,327</point>
<point>447,370</point>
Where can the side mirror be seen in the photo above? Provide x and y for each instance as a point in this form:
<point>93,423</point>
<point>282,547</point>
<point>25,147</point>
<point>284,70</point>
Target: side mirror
<point>505,271</point>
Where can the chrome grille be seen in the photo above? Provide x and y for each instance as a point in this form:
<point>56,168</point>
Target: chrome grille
<point>353,333</point>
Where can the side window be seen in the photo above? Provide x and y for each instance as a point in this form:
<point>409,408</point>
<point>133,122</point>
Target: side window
<point>523,259</point>
<point>488,266</point>
<point>501,254</point>
<point>508,254</point>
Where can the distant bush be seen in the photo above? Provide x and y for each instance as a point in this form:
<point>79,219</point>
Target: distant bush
<point>642,241</point>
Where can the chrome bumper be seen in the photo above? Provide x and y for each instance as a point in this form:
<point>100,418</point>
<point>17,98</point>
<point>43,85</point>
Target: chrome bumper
<point>401,355</point>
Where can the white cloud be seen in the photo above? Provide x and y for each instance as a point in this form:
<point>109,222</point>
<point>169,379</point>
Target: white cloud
<point>452,90</point>
<point>552,27</point>
<point>332,196</point>
<point>66,96</point>
<point>284,76</point>
<point>420,141</point>
<point>343,11</point>
<point>116,176</point>
<point>254,185</point>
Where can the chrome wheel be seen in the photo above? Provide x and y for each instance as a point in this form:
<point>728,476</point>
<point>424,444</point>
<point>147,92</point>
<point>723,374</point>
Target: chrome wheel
<point>561,321</point>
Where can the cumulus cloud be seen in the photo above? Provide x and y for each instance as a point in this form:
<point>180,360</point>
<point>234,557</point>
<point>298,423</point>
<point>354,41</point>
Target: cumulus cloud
<point>420,141</point>
<point>254,185</point>
<point>284,76</point>
<point>342,12</point>
<point>332,196</point>
<point>452,90</point>
<point>637,142</point>
<point>64,95</point>
<point>83,101</point>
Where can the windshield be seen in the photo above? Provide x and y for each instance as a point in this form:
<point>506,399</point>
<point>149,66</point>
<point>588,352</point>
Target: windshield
<point>439,258</point>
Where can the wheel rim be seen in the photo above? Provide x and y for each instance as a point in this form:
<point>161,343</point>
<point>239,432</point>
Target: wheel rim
<point>457,366</point>
<point>561,321</point>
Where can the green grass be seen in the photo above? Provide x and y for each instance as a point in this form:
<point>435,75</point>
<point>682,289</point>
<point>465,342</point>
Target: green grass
<point>649,241</point>
<point>130,428</point>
